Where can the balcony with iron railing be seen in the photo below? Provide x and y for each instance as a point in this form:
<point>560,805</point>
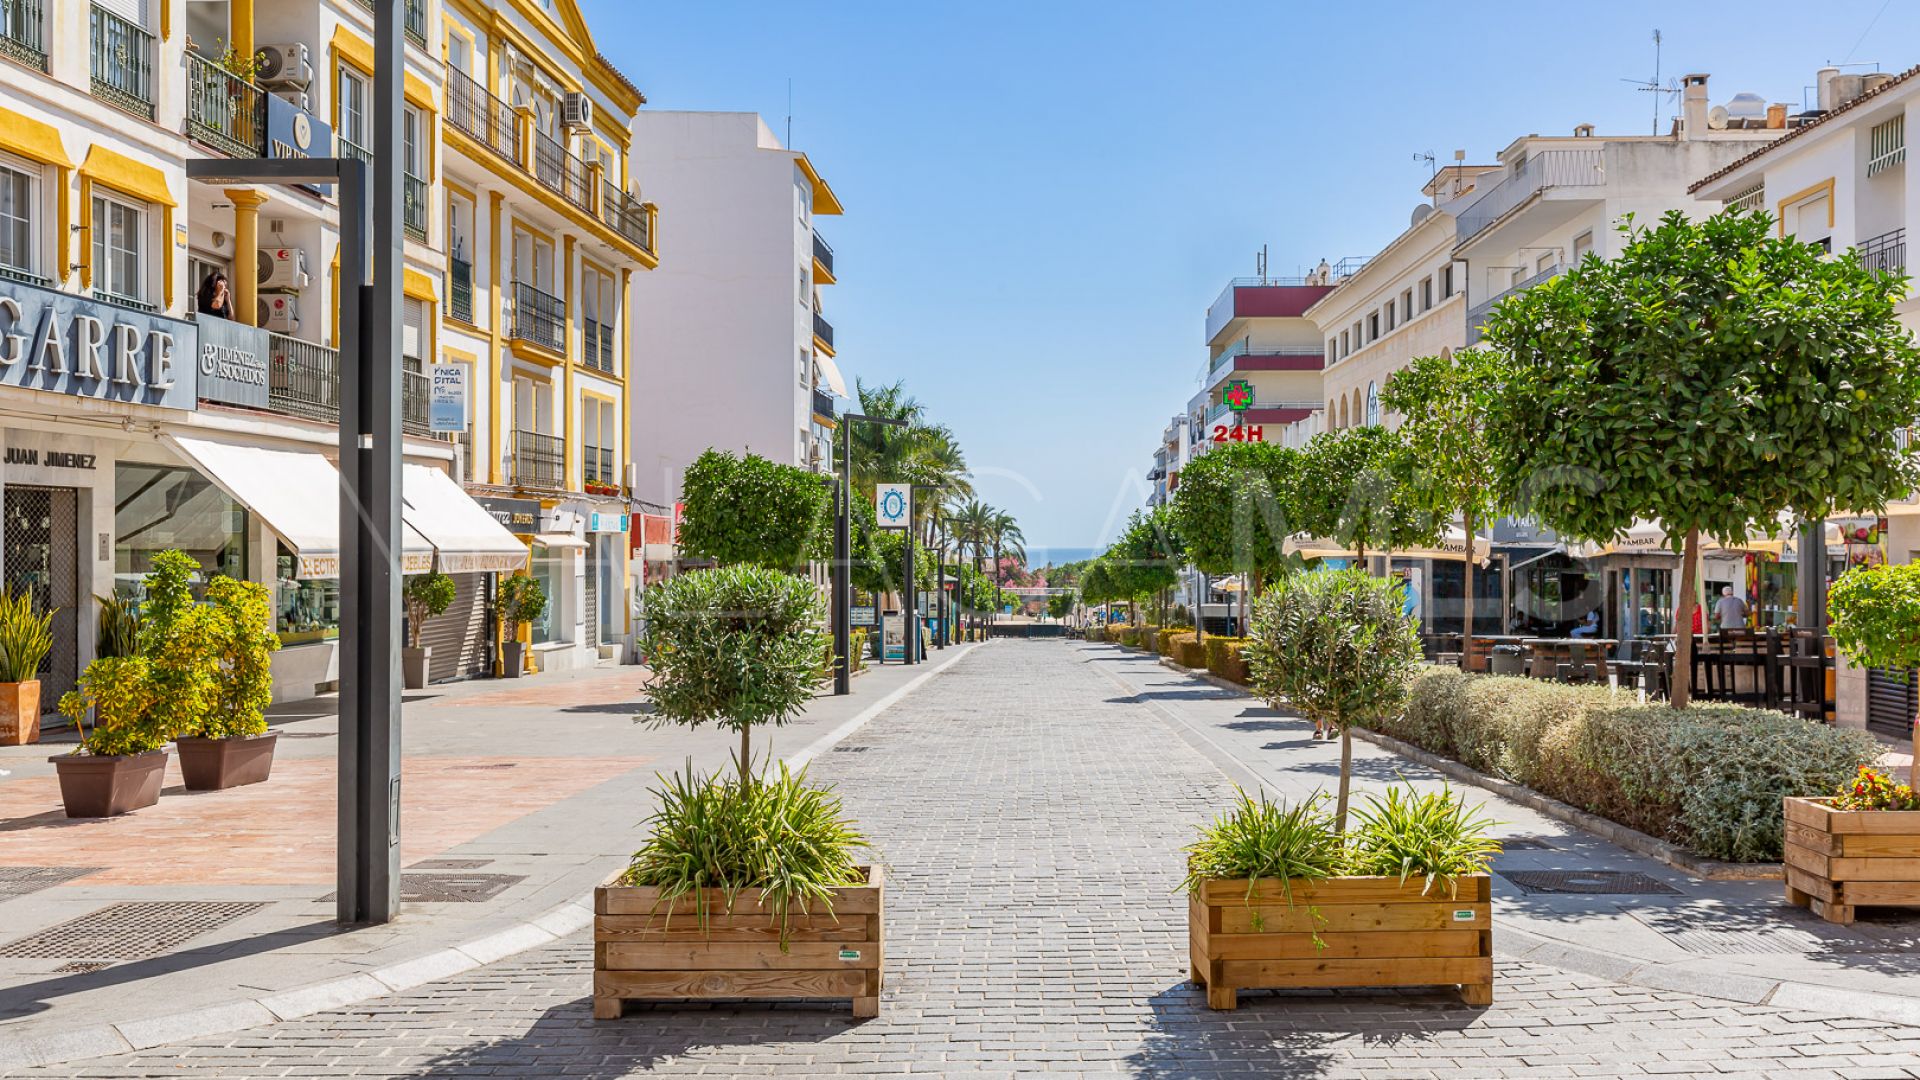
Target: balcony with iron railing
<point>596,465</point>
<point>413,206</point>
<point>823,253</point>
<point>23,32</point>
<point>539,317</point>
<point>481,116</point>
<point>121,64</point>
<point>224,111</point>
<point>1244,347</point>
<point>1477,314</point>
<point>415,24</point>
<point>596,345</point>
<point>823,404</point>
<point>560,171</point>
<point>626,215</point>
<point>1886,253</point>
<point>823,330</point>
<point>347,148</point>
<point>460,290</point>
<point>1544,171</point>
<point>539,460</point>
<point>107,296</point>
<point>303,380</point>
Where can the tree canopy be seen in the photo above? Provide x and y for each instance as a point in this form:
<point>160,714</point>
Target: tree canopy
<point>1148,555</point>
<point>754,512</point>
<point>1234,508</point>
<point>1354,489</point>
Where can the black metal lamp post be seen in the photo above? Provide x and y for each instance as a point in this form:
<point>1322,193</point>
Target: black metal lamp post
<point>843,554</point>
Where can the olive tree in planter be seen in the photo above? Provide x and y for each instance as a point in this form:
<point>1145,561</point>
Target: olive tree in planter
<point>520,600</point>
<point>1862,845</point>
<point>1289,896</point>
<point>231,746</point>
<point>120,764</point>
<point>427,596</point>
<point>26,637</point>
<point>746,886</point>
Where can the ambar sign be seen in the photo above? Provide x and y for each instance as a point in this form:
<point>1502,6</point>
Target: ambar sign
<point>60,343</point>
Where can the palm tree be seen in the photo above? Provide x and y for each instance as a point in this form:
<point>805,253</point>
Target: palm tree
<point>1006,534</point>
<point>925,453</point>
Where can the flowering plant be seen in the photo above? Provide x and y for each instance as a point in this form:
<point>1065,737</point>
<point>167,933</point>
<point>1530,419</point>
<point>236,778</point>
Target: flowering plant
<point>1871,790</point>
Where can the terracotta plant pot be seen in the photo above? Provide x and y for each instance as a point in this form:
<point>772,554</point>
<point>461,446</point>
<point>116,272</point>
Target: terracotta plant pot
<point>413,666</point>
<point>19,713</point>
<point>513,658</point>
<point>213,764</point>
<point>97,786</point>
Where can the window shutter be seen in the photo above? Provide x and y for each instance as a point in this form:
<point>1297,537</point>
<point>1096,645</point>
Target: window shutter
<point>134,11</point>
<point>413,334</point>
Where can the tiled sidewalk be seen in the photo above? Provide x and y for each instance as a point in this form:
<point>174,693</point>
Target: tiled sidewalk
<point>1030,812</point>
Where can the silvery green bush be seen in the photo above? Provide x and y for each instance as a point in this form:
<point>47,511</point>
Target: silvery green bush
<point>1709,777</point>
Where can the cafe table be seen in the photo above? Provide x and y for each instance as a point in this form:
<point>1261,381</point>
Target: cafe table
<point>1546,654</point>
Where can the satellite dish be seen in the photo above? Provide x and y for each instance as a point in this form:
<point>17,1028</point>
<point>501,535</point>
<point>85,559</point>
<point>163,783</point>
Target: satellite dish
<point>1420,213</point>
<point>1717,118</point>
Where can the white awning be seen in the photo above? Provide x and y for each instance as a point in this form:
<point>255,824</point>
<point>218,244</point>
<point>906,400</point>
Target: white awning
<point>297,494</point>
<point>830,374</point>
<point>560,541</point>
<point>466,538</point>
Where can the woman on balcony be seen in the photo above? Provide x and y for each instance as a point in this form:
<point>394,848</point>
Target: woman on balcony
<point>215,298</point>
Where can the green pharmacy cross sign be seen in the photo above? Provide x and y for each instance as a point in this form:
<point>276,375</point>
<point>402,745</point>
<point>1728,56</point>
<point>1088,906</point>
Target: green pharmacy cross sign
<point>1238,395</point>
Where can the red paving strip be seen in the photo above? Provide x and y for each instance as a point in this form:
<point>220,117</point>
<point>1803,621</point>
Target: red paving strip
<point>281,832</point>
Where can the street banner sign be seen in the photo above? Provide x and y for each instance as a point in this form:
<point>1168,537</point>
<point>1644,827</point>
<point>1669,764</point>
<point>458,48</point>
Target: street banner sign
<point>890,503</point>
<point>447,400</point>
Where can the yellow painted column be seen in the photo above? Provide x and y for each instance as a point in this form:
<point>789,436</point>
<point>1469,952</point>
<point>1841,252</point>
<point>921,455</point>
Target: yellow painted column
<point>246,244</point>
<point>624,456</point>
<point>495,394</point>
<point>241,18</point>
<point>568,415</point>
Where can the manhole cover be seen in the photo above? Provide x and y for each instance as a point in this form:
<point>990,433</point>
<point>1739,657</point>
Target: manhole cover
<point>81,967</point>
<point>1523,843</point>
<point>449,888</point>
<point>450,864</point>
<point>1616,882</point>
<point>21,880</point>
<point>128,931</point>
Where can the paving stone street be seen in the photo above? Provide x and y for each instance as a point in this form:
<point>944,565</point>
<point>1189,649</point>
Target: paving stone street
<point>1030,812</point>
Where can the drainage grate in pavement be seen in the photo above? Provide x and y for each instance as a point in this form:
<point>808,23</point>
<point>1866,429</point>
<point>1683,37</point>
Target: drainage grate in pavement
<point>851,749</point>
<point>480,768</point>
<point>307,734</point>
<point>81,967</point>
<point>448,888</point>
<point>1596,882</point>
<point>1523,843</point>
<point>128,931</point>
<point>21,880</point>
<point>1698,932</point>
<point>450,864</point>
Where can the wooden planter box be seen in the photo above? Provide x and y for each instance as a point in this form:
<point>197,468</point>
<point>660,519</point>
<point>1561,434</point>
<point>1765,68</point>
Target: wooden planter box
<point>1372,931</point>
<point>1839,859</point>
<point>646,951</point>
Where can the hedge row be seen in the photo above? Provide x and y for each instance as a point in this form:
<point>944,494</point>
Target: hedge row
<point>1709,778</point>
<point>1224,658</point>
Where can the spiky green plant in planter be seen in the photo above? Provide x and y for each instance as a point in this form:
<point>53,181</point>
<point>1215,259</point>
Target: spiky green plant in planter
<point>119,633</point>
<point>26,636</point>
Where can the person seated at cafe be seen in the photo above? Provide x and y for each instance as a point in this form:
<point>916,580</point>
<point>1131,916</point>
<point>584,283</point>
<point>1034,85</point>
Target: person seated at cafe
<point>214,297</point>
<point>1589,626</point>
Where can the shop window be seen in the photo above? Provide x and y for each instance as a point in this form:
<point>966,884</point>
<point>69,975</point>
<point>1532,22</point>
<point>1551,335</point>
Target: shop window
<point>163,507</point>
<point>305,609</point>
<point>549,569</point>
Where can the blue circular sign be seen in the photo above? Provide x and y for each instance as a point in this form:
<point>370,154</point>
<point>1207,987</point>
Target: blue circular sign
<point>893,506</point>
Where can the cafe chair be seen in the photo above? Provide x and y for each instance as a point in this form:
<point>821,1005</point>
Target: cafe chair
<point>1580,666</point>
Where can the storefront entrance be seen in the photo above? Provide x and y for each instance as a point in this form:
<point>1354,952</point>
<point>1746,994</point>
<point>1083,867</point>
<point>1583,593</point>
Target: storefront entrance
<point>40,555</point>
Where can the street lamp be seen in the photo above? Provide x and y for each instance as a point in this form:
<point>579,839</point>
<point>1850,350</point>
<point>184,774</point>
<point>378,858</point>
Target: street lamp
<point>843,555</point>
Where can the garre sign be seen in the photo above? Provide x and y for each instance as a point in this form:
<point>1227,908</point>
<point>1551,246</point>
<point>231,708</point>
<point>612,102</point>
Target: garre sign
<point>59,343</point>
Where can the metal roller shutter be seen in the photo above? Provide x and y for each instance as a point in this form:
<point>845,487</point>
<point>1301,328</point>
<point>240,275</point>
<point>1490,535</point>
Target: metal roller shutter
<point>1891,702</point>
<point>458,637</point>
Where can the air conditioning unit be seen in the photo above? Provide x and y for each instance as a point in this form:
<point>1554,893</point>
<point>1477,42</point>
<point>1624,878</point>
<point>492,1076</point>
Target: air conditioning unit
<point>297,98</point>
<point>283,268</point>
<point>286,65</point>
<point>576,111</point>
<point>280,313</point>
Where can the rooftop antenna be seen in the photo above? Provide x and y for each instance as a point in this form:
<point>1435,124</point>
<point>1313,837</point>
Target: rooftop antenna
<point>1654,86</point>
<point>789,112</point>
<point>1260,264</point>
<point>1433,164</point>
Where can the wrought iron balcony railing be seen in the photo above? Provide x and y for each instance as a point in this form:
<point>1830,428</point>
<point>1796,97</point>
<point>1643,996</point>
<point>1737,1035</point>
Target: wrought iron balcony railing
<point>481,116</point>
<point>539,461</point>
<point>626,215</point>
<point>823,404</point>
<point>823,329</point>
<point>122,63</point>
<point>23,32</point>
<point>351,149</point>
<point>823,253</point>
<point>413,206</point>
<point>224,111</point>
<point>597,345</point>
<point>560,171</point>
<point>415,23</point>
<point>1886,253</point>
<point>539,317</point>
<point>304,380</point>
<point>596,465</point>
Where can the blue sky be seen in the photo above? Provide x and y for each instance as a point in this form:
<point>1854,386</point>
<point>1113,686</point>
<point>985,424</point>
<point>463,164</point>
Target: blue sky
<point>1043,197</point>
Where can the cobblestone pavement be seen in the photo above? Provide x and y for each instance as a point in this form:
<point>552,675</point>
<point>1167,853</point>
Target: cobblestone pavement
<point>1031,817</point>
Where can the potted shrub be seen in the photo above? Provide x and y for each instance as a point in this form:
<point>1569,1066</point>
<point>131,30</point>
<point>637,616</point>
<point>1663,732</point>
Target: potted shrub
<point>1279,897</point>
<point>427,596</point>
<point>230,745</point>
<point>519,601</point>
<point>25,640</point>
<point>120,764</point>
<point>177,641</point>
<point>747,886</point>
<point>1862,845</point>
